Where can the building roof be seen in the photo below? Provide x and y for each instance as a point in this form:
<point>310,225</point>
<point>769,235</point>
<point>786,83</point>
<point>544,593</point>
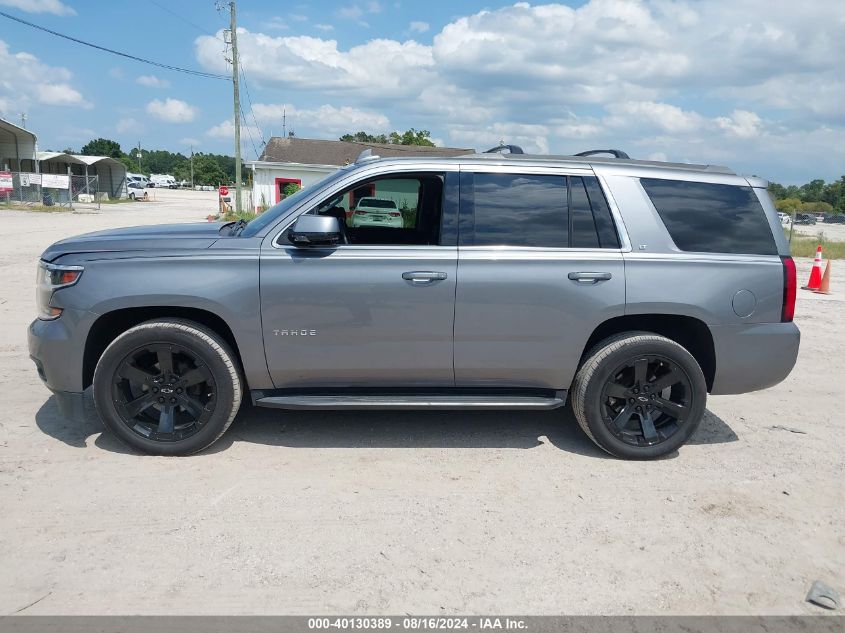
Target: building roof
<point>78,159</point>
<point>7,127</point>
<point>316,152</point>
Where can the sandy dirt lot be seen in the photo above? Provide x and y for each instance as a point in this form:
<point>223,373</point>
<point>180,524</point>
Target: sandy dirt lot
<point>434,513</point>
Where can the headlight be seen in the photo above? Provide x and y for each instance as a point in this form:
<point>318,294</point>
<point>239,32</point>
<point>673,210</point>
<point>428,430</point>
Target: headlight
<point>50,278</point>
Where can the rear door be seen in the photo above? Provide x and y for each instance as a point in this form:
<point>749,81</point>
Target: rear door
<point>539,267</point>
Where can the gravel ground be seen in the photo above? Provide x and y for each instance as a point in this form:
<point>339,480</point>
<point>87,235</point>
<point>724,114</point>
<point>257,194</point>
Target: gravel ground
<point>435,513</point>
<point>832,232</point>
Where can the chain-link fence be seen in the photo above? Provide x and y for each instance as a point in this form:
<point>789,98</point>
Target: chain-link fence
<point>35,189</point>
<point>48,190</point>
<point>85,191</point>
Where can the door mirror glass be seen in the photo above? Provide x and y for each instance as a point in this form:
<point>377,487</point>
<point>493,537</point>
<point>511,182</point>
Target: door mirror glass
<point>315,230</point>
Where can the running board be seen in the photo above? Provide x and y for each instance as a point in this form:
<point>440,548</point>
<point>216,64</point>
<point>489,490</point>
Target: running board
<point>410,402</point>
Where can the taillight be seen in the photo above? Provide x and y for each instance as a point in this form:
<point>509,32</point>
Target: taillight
<point>790,284</point>
<point>394,214</point>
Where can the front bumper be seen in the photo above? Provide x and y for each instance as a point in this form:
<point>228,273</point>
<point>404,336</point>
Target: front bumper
<point>57,348</point>
<point>753,356</point>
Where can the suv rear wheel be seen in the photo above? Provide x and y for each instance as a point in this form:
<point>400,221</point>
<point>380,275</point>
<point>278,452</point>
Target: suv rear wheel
<point>639,395</point>
<point>168,387</point>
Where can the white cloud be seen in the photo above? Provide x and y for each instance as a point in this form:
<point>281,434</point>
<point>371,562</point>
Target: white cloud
<point>682,78</point>
<point>40,6</point>
<point>326,120</point>
<point>226,130</point>
<point>324,27</point>
<point>419,27</point>
<point>27,81</point>
<point>172,110</point>
<point>151,81</point>
<point>60,94</point>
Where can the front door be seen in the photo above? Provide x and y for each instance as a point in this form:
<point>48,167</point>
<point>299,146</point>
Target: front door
<point>376,311</point>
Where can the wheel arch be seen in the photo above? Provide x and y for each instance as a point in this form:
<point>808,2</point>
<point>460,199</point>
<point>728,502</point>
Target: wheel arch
<point>111,324</point>
<point>691,333</point>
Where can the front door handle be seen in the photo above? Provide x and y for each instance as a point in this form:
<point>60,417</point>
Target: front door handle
<point>423,276</point>
<point>589,278</point>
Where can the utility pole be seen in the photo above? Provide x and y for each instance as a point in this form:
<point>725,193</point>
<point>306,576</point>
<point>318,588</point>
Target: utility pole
<point>233,26</point>
<point>139,157</point>
<point>23,120</point>
<point>192,166</point>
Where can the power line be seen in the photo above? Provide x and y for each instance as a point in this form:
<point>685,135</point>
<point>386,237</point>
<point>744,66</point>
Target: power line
<point>249,132</point>
<point>183,18</point>
<point>251,110</point>
<point>197,73</point>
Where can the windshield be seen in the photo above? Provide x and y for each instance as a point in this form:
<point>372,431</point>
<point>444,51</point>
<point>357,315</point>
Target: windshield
<point>275,212</point>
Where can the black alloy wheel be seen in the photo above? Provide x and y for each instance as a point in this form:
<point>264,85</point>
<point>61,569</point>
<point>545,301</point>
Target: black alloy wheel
<point>646,400</point>
<point>164,392</point>
<point>639,395</point>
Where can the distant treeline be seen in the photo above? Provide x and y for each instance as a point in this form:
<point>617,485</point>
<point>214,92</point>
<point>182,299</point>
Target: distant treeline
<point>816,196</point>
<point>209,169</point>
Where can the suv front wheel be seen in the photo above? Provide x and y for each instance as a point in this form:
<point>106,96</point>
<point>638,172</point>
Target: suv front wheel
<point>639,395</point>
<point>167,387</point>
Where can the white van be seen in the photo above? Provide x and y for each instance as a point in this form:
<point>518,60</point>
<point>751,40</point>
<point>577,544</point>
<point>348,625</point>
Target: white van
<point>164,181</point>
<point>141,179</point>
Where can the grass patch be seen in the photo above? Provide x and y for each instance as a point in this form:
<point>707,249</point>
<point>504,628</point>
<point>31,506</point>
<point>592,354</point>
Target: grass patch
<point>806,247</point>
<point>36,208</point>
<point>231,216</point>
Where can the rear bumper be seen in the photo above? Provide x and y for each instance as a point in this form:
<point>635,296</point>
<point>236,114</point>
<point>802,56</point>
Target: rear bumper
<point>750,357</point>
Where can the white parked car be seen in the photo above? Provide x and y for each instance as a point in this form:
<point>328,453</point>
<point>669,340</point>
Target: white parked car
<point>135,189</point>
<point>785,220</point>
<point>376,212</point>
<point>139,178</point>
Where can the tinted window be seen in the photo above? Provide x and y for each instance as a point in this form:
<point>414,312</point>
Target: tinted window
<point>608,237</point>
<point>520,210</point>
<point>710,218</point>
<point>584,234</point>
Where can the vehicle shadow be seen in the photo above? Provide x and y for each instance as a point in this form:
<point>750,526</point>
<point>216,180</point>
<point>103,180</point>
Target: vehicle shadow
<point>379,429</point>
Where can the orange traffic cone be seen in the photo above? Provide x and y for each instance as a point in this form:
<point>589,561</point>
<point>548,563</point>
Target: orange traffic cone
<point>816,273</point>
<point>824,288</point>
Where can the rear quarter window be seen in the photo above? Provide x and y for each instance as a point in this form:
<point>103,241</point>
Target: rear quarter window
<point>711,218</point>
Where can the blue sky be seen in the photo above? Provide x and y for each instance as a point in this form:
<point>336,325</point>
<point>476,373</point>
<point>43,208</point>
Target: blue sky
<point>752,84</point>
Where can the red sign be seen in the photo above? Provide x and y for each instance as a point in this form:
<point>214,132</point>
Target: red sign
<point>224,190</point>
<point>6,182</point>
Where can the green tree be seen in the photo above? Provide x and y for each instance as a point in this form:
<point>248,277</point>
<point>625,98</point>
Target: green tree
<point>364,137</point>
<point>290,189</point>
<point>812,191</point>
<point>207,170</point>
<point>102,147</point>
<point>409,137</point>
<point>788,205</point>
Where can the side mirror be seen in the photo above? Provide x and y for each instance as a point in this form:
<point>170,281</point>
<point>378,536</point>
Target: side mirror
<point>315,230</point>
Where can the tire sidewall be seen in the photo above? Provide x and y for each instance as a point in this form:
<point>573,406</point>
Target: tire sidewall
<point>163,334</point>
<point>593,399</point>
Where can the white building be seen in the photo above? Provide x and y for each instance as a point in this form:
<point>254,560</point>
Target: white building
<point>305,161</point>
<point>17,148</point>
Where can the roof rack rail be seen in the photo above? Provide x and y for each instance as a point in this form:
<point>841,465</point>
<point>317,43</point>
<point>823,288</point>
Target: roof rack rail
<point>616,153</point>
<point>513,149</point>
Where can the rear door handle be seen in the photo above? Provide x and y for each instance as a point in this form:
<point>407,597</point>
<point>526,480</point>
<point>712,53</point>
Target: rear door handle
<point>589,278</point>
<point>423,276</point>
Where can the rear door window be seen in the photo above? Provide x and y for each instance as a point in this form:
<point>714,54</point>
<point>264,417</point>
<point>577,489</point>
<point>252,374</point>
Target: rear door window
<point>535,210</point>
<point>711,218</point>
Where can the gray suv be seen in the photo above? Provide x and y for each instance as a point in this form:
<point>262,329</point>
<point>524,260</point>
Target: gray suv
<point>630,288</point>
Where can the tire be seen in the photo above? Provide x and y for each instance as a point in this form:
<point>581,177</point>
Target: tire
<point>167,387</point>
<point>638,395</point>
<point>132,196</point>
